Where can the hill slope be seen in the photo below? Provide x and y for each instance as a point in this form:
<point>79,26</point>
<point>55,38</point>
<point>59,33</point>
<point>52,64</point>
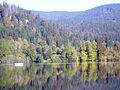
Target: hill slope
<point>99,21</point>
<point>17,23</point>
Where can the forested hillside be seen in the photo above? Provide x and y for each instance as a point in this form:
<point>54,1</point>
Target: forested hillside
<point>23,34</point>
<point>99,21</point>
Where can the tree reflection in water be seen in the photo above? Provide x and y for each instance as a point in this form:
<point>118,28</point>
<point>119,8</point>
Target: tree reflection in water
<point>85,76</point>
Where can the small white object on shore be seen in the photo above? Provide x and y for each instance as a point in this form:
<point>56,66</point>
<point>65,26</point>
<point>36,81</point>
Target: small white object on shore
<point>19,64</point>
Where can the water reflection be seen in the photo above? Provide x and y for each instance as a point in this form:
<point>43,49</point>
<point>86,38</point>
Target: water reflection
<point>61,76</point>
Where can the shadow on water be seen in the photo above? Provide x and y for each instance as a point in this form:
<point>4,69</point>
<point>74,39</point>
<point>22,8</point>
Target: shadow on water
<point>61,76</point>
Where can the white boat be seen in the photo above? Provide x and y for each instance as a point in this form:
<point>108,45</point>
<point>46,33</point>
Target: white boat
<point>19,64</point>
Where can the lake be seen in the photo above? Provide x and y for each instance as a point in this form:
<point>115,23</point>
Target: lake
<point>61,76</point>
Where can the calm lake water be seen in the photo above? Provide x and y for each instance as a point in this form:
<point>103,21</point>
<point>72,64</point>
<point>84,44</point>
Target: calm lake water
<point>84,76</point>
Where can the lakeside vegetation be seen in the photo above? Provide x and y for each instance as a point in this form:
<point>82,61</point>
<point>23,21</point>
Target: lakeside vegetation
<point>89,51</point>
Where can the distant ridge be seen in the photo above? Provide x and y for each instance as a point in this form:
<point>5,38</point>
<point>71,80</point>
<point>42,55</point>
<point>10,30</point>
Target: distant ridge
<point>102,20</point>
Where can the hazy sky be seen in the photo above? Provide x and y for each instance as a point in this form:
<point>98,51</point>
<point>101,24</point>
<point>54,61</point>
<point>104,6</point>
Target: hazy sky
<point>59,5</point>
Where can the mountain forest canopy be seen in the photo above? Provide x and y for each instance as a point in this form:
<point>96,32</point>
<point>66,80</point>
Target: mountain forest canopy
<point>99,21</point>
<point>60,37</point>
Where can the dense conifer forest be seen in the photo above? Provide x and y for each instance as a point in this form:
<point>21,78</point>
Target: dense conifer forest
<point>28,35</point>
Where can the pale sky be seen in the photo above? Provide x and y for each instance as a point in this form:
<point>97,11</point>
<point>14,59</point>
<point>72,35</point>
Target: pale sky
<point>59,5</point>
